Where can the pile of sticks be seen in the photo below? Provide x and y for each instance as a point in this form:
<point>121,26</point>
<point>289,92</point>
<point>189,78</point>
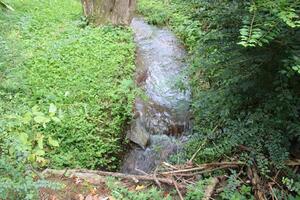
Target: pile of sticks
<point>179,176</point>
<point>182,176</point>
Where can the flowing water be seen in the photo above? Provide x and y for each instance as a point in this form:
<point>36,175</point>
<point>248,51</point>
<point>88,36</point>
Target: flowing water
<point>162,118</point>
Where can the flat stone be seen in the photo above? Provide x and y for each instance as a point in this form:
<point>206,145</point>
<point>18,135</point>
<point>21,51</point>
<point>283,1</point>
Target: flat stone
<point>138,134</point>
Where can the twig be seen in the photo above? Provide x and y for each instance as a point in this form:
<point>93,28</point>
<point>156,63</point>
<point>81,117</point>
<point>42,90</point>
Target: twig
<point>256,182</point>
<point>177,189</point>
<point>203,143</point>
<point>64,174</point>
<point>36,172</point>
<point>293,162</point>
<point>155,178</point>
<point>207,171</point>
<point>141,171</point>
<point>6,6</point>
<point>274,197</point>
<point>203,166</point>
<point>169,165</point>
<point>251,27</point>
<point>199,149</point>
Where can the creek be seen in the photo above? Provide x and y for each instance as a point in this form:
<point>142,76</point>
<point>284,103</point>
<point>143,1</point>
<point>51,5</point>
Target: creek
<point>162,120</point>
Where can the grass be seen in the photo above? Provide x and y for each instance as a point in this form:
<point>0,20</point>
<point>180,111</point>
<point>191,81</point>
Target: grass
<point>48,56</point>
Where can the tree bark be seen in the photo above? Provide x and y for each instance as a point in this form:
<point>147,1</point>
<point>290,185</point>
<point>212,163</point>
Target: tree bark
<point>116,12</point>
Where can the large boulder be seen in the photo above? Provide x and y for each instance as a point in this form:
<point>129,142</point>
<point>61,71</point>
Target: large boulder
<point>138,134</point>
<point>117,12</point>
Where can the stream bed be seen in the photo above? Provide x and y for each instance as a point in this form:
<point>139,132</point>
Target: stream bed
<point>162,120</point>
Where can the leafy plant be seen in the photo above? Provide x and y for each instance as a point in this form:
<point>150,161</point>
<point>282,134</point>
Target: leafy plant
<point>23,147</point>
<point>120,192</point>
<point>244,77</point>
<point>50,57</point>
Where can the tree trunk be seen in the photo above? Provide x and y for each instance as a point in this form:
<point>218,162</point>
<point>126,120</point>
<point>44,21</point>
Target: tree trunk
<point>116,12</point>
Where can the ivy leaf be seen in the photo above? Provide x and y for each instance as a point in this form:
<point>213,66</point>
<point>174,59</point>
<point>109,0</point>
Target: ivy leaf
<point>39,152</point>
<point>52,109</point>
<point>41,119</point>
<point>40,140</point>
<point>27,118</point>
<point>23,137</point>
<point>53,142</point>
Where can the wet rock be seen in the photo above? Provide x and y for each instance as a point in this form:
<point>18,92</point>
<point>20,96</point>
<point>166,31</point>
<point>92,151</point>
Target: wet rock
<point>159,150</point>
<point>138,134</point>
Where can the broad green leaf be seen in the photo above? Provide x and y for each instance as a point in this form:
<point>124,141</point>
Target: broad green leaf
<point>39,152</point>
<point>27,118</point>
<point>23,137</point>
<point>53,142</point>
<point>41,119</point>
<point>52,109</point>
<point>40,140</point>
<point>56,119</point>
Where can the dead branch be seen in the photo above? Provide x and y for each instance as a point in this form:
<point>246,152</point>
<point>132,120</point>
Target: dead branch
<point>135,178</point>
<point>199,149</point>
<point>204,166</point>
<point>177,189</point>
<point>206,171</point>
<point>169,165</point>
<point>295,162</point>
<point>256,182</point>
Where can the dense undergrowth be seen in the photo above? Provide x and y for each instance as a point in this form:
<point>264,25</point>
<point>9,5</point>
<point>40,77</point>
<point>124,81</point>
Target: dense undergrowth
<point>244,58</point>
<point>65,90</point>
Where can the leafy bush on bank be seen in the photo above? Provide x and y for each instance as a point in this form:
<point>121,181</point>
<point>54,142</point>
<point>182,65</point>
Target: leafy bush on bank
<point>244,59</point>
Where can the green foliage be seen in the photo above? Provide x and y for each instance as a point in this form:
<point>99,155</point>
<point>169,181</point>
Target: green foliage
<point>235,190</point>
<point>242,94</point>
<point>23,146</point>
<point>26,135</point>
<point>244,61</point>
<point>268,19</point>
<point>197,191</point>
<point>120,192</point>
<point>292,185</point>
<point>48,57</point>
<point>18,181</point>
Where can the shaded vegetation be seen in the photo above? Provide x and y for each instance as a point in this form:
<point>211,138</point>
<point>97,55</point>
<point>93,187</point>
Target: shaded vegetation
<point>244,58</point>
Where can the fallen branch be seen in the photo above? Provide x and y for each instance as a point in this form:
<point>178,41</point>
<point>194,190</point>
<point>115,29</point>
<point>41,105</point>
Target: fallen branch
<point>204,166</point>
<point>135,178</point>
<point>293,162</point>
<point>256,182</point>
<point>177,189</point>
<point>207,171</point>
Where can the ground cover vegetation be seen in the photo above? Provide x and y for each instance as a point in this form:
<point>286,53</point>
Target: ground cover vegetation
<point>65,92</point>
<point>244,60</point>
